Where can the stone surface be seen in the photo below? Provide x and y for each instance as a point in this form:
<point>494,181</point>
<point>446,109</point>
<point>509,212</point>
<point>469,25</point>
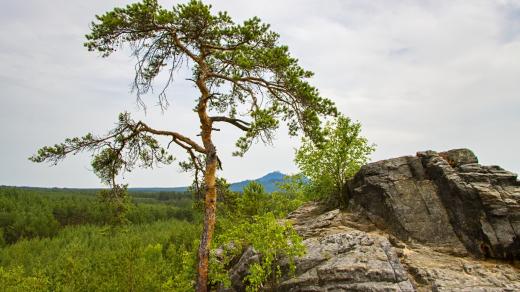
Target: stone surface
<point>340,257</point>
<point>483,203</point>
<point>431,222</point>
<point>446,200</point>
<point>434,271</point>
<point>398,196</point>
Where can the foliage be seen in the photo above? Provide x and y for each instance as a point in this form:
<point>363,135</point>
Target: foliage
<point>255,223</point>
<point>182,251</point>
<point>148,254</point>
<point>331,163</point>
<point>137,148</point>
<point>253,201</point>
<point>235,66</point>
<point>272,241</point>
<point>244,57</point>
<point>224,194</point>
<point>14,279</point>
<point>25,216</point>
<point>118,203</point>
<point>42,213</point>
<point>291,195</point>
<point>152,257</point>
<point>268,237</point>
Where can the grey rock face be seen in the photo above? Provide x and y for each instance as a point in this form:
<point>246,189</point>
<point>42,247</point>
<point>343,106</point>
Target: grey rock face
<point>338,257</point>
<point>397,195</point>
<point>483,203</point>
<point>446,200</point>
<point>430,270</point>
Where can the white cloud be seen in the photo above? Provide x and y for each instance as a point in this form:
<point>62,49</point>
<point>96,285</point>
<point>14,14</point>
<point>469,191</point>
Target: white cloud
<point>418,75</point>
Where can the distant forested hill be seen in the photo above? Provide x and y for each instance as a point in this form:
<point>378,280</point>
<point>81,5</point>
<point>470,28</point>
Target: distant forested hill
<point>268,181</point>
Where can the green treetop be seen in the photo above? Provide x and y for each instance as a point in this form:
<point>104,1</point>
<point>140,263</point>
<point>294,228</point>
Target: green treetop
<point>332,162</point>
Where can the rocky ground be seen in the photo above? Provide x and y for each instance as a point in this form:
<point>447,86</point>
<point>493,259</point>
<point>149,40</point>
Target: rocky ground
<point>431,222</point>
<point>348,253</point>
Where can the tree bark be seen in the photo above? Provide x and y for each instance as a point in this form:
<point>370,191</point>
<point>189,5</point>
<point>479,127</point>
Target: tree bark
<point>210,201</point>
<point>210,198</point>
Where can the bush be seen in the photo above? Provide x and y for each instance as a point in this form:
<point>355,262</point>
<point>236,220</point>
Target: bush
<point>268,237</point>
<point>14,279</point>
<point>331,163</point>
<point>254,223</point>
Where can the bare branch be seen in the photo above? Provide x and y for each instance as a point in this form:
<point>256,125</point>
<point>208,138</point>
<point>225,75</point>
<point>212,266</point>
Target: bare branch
<point>185,49</point>
<point>242,125</point>
<point>178,138</point>
<point>223,48</point>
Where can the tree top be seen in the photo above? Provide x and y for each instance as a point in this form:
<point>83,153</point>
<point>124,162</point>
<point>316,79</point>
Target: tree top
<point>252,81</point>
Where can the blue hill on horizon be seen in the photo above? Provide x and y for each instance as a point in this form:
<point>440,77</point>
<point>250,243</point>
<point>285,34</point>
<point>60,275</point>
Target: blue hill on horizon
<point>268,181</point>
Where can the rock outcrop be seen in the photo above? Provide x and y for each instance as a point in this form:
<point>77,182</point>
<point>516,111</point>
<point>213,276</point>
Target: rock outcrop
<point>342,255</point>
<point>430,222</point>
<point>446,200</point>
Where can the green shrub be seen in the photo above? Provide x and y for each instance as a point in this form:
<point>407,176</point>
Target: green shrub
<point>270,238</point>
<point>331,163</point>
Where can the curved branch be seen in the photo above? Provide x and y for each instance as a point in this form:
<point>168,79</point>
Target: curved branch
<point>183,48</point>
<point>178,138</point>
<point>276,90</point>
<point>232,47</point>
<point>237,83</point>
<point>242,125</point>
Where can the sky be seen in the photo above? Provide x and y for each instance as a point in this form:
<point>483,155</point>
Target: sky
<point>418,75</point>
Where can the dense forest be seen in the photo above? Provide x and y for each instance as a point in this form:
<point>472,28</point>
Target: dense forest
<point>240,83</point>
<point>68,240</point>
<point>30,213</point>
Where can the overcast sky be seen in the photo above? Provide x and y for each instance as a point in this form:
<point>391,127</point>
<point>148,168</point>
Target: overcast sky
<point>418,75</point>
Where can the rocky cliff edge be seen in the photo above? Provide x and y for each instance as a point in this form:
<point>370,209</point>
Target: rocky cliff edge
<point>430,222</point>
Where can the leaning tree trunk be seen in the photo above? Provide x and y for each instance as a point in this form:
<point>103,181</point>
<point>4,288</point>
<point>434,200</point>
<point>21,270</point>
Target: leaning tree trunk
<point>210,198</point>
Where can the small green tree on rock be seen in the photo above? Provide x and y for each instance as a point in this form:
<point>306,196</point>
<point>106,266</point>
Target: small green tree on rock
<point>331,163</point>
<point>245,78</point>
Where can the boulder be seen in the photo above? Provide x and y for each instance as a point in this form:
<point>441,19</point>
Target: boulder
<point>446,200</point>
<point>398,196</point>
